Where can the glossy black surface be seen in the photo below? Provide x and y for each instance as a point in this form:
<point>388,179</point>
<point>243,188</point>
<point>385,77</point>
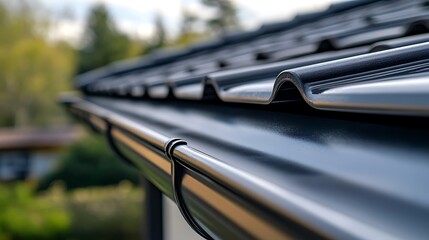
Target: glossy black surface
<point>258,159</point>
<point>341,59</point>
<point>334,178</point>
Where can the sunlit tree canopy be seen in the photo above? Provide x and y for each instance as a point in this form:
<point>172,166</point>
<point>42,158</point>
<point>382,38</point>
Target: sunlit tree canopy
<point>32,69</point>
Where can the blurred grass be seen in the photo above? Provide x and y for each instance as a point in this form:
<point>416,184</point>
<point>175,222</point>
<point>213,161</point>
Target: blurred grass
<point>24,216</point>
<point>91,195</point>
<point>106,213</point>
<point>111,212</point>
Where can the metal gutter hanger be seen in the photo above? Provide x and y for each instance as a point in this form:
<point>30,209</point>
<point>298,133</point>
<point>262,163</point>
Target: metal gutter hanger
<point>176,182</point>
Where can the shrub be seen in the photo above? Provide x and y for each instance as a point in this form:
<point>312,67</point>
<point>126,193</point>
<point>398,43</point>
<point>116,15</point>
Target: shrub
<point>106,213</point>
<point>24,216</point>
<point>90,162</point>
<point>89,213</point>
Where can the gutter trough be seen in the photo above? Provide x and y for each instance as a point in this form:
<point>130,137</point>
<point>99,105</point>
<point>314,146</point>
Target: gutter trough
<point>245,184</point>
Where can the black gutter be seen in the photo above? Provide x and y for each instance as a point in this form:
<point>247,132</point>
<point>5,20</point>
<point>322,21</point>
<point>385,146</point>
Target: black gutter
<point>239,184</point>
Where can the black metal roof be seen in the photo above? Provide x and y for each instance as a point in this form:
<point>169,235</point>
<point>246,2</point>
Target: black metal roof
<point>299,59</point>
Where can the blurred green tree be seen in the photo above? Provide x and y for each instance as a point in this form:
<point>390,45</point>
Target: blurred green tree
<point>24,216</point>
<point>33,69</point>
<point>159,39</point>
<point>225,16</point>
<point>188,32</point>
<point>188,22</point>
<point>160,33</point>
<point>103,43</point>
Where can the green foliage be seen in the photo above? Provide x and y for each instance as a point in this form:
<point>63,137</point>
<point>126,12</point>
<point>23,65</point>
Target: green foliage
<point>186,39</point>
<point>188,21</point>
<point>225,15</point>
<point>188,33</point>
<point>106,213</point>
<point>23,216</point>
<point>103,43</point>
<point>90,162</point>
<point>160,33</point>
<point>159,39</point>
<point>93,213</point>
<point>33,70</point>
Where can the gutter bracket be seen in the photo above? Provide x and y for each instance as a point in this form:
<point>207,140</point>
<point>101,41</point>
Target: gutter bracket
<point>176,180</point>
<point>114,147</point>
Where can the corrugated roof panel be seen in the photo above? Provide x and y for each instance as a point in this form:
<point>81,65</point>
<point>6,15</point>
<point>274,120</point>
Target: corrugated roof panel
<point>258,85</point>
<point>164,57</point>
<point>233,71</point>
<point>226,79</point>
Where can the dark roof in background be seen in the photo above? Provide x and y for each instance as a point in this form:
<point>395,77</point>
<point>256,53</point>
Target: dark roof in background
<point>37,138</point>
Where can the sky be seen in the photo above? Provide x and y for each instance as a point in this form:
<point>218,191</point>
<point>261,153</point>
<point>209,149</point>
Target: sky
<point>136,17</point>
